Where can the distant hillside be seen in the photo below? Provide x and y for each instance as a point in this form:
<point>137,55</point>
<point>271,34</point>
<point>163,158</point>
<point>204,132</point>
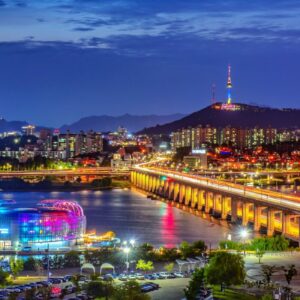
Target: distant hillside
<point>247,116</point>
<point>109,123</point>
<point>6,126</point>
<point>11,125</point>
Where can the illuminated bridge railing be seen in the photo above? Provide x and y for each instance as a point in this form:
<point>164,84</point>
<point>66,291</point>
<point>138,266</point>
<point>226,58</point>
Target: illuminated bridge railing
<point>270,197</point>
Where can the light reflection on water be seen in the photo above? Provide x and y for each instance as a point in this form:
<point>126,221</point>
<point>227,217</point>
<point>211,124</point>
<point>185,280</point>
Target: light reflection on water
<point>132,215</point>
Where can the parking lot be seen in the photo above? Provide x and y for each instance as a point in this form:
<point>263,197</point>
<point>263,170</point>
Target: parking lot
<point>171,289</point>
<point>162,285</point>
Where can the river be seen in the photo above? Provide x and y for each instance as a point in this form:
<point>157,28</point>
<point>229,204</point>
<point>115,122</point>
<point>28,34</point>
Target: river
<point>132,216</point>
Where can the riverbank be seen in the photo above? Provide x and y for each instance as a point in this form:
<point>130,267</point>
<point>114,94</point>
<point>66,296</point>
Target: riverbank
<point>18,185</point>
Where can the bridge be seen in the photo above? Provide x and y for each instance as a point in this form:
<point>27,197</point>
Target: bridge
<point>263,210</point>
<point>83,173</point>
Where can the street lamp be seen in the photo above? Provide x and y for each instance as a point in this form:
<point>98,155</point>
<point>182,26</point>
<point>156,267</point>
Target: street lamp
<point>126,251</point>
<point>132,242</point>
<point>244,235</point>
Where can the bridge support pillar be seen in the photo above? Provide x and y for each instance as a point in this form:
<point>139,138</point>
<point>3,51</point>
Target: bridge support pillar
<point>286,219</point>
<point>181,193</point>
<point>201,199</point>
<point>270,222</point>
<point>245,216</point>
<point>208,200</point>
<point>217,205</point>
<point>257,217</point>
<point>171,190</point>
<point>176,192</point>
<point>194,201</point>
<point>188,196</point>
<point>225,207</point>
<point>234,208</point>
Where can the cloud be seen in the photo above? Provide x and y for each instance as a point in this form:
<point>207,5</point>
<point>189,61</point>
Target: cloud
<point>222,20</point>
<point>268,33</point>
<point>83,29</point>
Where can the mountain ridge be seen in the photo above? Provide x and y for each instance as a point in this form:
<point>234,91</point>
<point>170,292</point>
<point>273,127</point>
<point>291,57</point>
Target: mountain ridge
<point>132,123</point>
<point>237,115</point>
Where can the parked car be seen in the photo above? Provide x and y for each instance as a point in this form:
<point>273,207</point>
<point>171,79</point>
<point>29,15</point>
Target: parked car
<point>68,277</point>
<point>179,274</point>
<point>163,274</point>
<point>139,276</point>
<point>155,285</point>
<point>123,278</point>
<point>149,287</point>
<point>150,277</point>
<point>69,288</point>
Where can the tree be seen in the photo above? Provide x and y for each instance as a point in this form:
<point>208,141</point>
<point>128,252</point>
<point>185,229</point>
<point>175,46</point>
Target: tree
<point>3,277</point>
<point>30,264</point>
<point>75,281</point>
<point>146,247</point>
<point>226,268</point>
<point>267,272</point>
<point>30,294</point>
<point>95,289</point>
<point>185,249</point>
<point>289,273</point>
<point>280,243</point>
<point>231,245</point>
<point>195,283</point>
<point>259,243</point>
<point>72,259</point>
<point>16,266</point>
<point>259,253</point>
<point>130,290</point>
<point>45,292</point>
<point>13,296</point>
<point>169,267</point>
<point>199,247</point>
<point>144,266</point>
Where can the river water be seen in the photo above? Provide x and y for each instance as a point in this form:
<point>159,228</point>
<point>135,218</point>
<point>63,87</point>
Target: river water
<point>131,215</point>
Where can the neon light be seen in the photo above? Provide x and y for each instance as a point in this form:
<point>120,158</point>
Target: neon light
<point>57,221</point>
<point>230,107</point>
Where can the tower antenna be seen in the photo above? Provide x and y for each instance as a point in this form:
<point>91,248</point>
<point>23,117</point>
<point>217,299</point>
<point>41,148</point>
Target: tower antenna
<point>229,85</point>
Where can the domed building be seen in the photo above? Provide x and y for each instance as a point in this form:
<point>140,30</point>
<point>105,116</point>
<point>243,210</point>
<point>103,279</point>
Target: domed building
<point>53,223</point>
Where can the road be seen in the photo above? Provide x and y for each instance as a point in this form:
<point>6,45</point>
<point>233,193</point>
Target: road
<point>285,201</point>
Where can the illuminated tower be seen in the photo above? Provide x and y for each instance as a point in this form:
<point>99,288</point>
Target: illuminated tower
<point>229,85</point>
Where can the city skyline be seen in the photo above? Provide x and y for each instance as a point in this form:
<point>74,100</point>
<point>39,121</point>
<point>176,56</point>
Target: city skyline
<point>63,60</point>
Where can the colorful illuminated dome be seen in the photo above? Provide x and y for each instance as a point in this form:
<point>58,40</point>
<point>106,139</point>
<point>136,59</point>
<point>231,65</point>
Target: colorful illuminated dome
<point>53,224</point>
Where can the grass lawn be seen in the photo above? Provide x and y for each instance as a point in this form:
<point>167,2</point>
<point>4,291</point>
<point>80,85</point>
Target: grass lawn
<point>28,279</point>
<point>231,294</point>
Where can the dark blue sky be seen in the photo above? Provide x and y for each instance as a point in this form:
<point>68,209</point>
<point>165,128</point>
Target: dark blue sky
<point>64,59</point>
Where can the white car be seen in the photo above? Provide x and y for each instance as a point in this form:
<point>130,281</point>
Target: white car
<point>164,274</point>
<point>178,274</point>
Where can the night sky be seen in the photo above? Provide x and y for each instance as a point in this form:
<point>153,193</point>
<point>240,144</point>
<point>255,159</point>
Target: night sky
<point>64,59</point>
